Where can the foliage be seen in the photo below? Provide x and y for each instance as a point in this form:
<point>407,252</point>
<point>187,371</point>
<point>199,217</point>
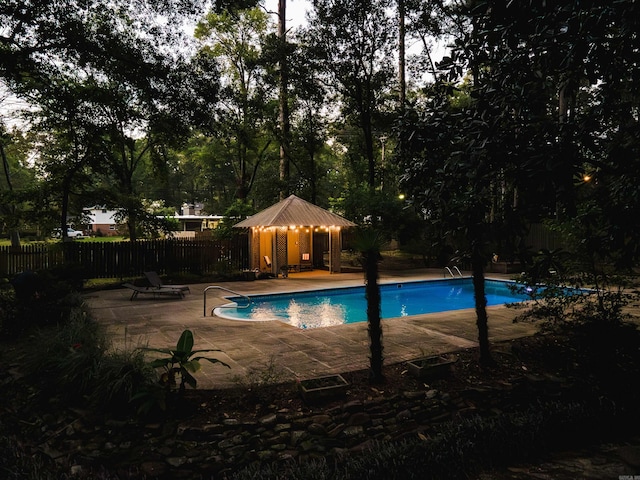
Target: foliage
<point>257,377</point>
<point>8,309</point>
<point>382,209</point>
<point>234,40</point>
<point>269,373</point>
<point>42,298</point>
<point>238,211</point>
<point>69,356</point>
<point>564,302</point>
<point>65,359</point>
<point>181,363</point>
<point>533,125</point>
<point>309,152</point>
<point>359,71</point>
<point>520,127</point>
<point>17,182</point>
<point>109,96</point>
<point>595,258</point>
<point>202,174</point>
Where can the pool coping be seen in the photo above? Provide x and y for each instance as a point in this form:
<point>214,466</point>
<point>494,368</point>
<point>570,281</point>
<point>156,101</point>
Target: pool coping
<point>250,347</point>
<point>220,310</point>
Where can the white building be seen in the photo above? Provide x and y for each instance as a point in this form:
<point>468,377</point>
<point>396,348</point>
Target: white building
<point>191,220</point>
<point>102,221</point>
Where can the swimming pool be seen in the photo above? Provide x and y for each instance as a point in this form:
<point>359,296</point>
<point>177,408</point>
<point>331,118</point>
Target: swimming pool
<point>337,306</point>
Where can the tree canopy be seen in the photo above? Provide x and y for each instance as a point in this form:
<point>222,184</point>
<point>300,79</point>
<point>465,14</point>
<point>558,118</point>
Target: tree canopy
<point>529,100</point>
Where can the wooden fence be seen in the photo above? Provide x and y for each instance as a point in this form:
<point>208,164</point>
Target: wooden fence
<point>126,259</point>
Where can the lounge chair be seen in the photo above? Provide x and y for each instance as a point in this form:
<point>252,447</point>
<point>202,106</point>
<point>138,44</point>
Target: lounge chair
<point>154,280</point>
<point>136,290</point>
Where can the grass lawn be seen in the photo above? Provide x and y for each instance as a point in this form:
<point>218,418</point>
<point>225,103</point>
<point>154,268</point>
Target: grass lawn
<point>7,242</point>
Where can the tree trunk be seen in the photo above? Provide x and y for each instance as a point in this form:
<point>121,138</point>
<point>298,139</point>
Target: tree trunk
<point>132,225</point>
<point>477,266</point>
<point>14,234</point>
<point>368,146</point>
<point>566,152</point>
<point>312,179</point>
<point>373,316</point>
<point>64,208</point>
<point>284,102</point>
<point>401,55</point>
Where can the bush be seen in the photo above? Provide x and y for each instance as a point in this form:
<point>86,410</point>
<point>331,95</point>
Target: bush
<point>63,359</point>
<point>39,299</point>
<point>120,376</point>
<point>8,310</point>
<point>564,302</point>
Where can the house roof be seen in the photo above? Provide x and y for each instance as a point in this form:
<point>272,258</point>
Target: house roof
<point>294,211</point>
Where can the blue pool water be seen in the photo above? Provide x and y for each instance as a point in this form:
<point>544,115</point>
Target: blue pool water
<point>323,308</point>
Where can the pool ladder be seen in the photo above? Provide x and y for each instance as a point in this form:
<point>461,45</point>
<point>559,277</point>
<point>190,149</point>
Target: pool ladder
<point>447,269</point>
<point>217,287</point>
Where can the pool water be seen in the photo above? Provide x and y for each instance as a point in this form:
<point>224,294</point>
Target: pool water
<point>323,308</point>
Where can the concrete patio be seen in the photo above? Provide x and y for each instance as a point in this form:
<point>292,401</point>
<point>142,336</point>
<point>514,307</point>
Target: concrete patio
<point>255,346</point>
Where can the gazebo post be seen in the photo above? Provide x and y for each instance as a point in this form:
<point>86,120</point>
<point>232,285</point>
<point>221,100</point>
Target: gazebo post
<point>330,253</point>
<point>254,249</point>
<point>335,248</point>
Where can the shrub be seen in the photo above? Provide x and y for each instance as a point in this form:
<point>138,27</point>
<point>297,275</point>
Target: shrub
<point>39,299</point>
<point>563,302</point>
<point>120,376</point>
<point>256,382</point>
<point>8,310</point>
<point>64,359</point>
<point>74,362</point>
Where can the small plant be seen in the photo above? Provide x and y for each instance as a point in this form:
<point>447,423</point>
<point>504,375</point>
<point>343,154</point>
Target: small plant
<point>268,374</point>
<point>181,362</point>
<point>65,359</point>
<point>426,351</point>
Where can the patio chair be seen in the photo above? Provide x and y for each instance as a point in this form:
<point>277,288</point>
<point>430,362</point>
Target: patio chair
<point>305,262</point>
<point>156,282</point>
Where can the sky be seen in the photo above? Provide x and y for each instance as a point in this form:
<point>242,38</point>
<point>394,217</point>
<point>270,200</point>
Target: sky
<point>295,11</point>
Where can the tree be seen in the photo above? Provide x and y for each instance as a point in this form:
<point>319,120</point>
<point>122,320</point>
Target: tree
<point>201,176</point>
<point>16,182</point>
<point>75,142</point>
<point>65,38</point>
<point>235,40</point>
<point>541,87</point>
<point>448,176</point>
<point>283,100</point>
<point>128,78</point>
<point>354,44</point>
<point>566,75</point>
<point>308,126</point>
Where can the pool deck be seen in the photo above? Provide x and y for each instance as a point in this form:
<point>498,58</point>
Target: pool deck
<point>253,347</point>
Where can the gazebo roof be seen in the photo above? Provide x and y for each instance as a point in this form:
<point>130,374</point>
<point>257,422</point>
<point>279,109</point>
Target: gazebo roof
<point>294,211</point>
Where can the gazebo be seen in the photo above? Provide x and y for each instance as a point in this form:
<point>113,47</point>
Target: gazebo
<point>284,234</point>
